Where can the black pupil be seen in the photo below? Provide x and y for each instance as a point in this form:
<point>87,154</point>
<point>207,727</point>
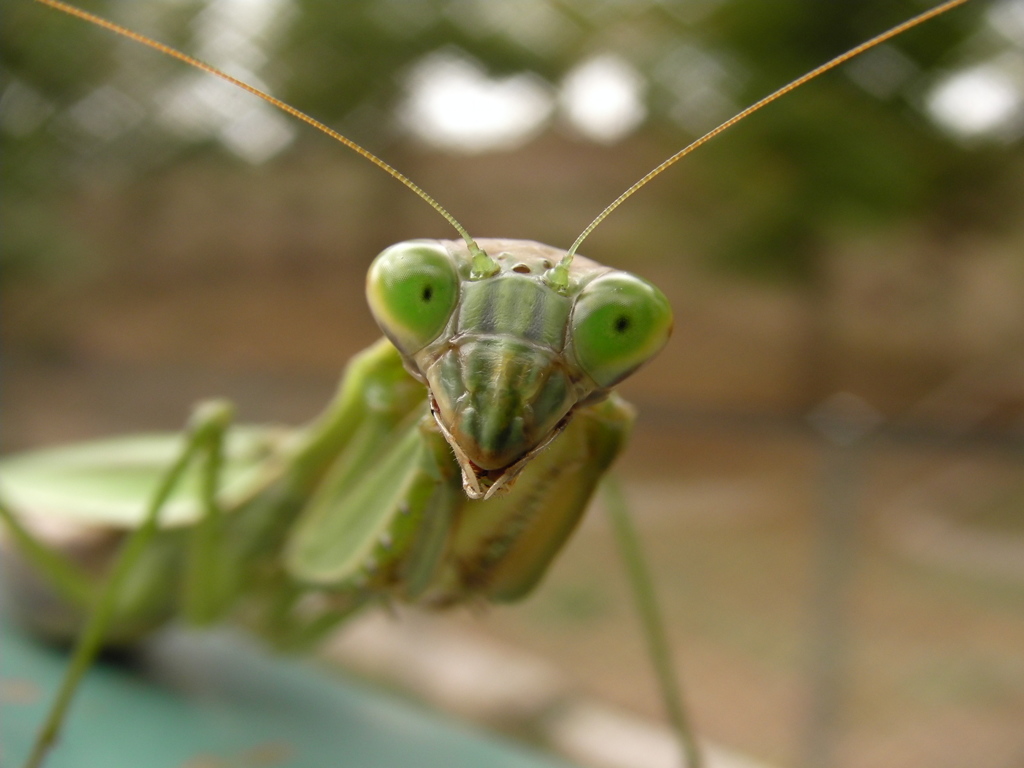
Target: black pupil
<point>428,293</point>
<point>621,324</point>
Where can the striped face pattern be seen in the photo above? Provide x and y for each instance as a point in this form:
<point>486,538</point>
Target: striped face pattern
<point>508,357</point>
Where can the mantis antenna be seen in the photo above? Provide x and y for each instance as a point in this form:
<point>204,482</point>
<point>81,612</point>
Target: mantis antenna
<point>478,254</point>
<point>792,86</point>
<point>483,265</point>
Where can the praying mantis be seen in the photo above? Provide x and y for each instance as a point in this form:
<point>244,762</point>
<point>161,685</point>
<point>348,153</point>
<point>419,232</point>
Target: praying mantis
<point>458,491</point>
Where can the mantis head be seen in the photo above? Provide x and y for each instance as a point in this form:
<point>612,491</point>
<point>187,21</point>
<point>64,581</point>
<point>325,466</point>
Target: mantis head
<point>508,356</point>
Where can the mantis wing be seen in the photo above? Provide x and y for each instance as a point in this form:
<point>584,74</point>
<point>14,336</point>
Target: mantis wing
<point>107,482</point>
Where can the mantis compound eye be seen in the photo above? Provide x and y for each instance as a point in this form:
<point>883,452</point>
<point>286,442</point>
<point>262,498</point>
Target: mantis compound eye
<point>619,322</point>
<point>412,289</point>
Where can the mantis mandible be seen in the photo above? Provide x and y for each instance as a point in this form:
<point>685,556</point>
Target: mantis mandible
<point>454,463</point>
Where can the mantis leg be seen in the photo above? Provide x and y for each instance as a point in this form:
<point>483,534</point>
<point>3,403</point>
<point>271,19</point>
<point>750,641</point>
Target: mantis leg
<point>299,618</point>
<point>362,512</point>
<point>652,619</point>
<point>71,583</point>
<point>383,529</point>
<point>206,591</point>
<point>374,535</point>
<point>205,436</point>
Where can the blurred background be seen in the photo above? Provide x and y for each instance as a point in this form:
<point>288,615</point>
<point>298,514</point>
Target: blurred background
<point>829,461</point>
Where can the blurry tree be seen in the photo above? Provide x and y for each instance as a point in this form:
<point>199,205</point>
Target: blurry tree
<point>840,153</point>
<point>856,151</point>
<point>69,99</point>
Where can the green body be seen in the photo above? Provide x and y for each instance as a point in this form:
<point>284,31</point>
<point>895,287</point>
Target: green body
<point>463,491</point>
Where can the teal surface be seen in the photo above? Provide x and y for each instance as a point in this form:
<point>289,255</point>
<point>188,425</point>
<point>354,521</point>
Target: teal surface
<point>216,700</point>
